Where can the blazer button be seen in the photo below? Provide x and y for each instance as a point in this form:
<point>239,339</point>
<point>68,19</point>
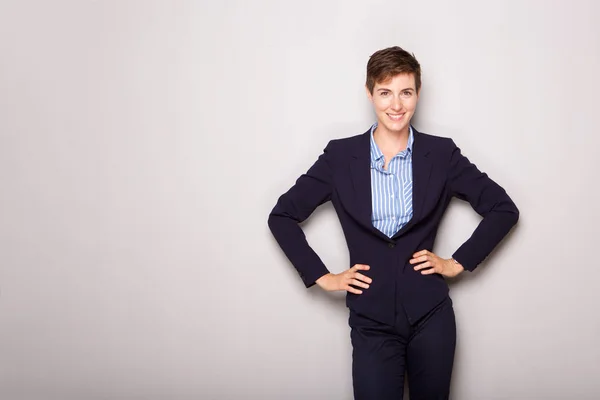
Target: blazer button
<point>391,245</point>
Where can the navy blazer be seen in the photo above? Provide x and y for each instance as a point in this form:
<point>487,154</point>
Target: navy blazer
<point>342,174</point>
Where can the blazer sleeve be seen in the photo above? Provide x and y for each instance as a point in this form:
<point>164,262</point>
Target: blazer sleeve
<point>310,191</point>
<point>489,200</point>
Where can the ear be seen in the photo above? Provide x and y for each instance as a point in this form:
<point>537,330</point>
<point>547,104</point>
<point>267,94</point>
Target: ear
<point>369,95</point>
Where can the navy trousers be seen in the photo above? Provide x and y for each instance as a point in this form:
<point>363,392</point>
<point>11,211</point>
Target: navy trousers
<point>382,354</point>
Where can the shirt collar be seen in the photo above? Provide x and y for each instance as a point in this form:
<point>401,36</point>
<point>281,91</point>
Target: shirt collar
<point>377,155</point>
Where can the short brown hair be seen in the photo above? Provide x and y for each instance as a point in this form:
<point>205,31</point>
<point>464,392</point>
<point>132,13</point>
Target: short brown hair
<point>387,63</point>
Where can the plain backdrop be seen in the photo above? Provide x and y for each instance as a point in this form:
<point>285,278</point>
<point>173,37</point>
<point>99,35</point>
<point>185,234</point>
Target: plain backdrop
<point>144,143</point>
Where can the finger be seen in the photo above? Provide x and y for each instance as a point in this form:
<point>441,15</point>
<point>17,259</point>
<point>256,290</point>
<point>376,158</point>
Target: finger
<point>353,290</point>
<point>356,282</point>
<point>421,253</point>
<point>362,267</point>
<point>423,266</point>
<point>429,271</point>
<point>420,259</point>
<point>362,277</point>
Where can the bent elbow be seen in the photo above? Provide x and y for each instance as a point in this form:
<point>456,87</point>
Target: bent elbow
<point>514,215</point>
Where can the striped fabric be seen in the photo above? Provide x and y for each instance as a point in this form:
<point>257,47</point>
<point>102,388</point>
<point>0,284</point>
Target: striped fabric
<point>391,190</point>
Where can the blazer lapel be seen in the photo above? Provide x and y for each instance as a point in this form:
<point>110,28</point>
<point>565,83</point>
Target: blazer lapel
<point>421,165</point>
<point>360,173</point>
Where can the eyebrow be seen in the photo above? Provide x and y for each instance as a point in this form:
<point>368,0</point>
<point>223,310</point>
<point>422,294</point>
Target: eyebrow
<point>389,90</point>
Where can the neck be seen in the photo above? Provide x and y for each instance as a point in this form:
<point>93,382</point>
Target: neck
<point>389,141</point>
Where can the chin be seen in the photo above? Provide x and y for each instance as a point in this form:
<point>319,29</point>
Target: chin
<point>396,128</point>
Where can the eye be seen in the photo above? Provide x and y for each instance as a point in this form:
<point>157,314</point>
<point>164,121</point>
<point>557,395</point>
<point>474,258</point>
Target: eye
<point>407,93</point>
<point>384,92</point>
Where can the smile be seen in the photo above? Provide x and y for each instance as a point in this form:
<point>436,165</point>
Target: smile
<point>395,117</point>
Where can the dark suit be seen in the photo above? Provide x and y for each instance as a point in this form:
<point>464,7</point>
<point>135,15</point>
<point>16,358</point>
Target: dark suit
<point>342,175</point>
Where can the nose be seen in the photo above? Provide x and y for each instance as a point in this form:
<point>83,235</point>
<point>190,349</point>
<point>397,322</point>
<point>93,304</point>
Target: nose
<point>396,104</point>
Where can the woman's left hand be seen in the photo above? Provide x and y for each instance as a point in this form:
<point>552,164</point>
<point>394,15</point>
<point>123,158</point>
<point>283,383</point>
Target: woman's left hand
<point>429,263</point>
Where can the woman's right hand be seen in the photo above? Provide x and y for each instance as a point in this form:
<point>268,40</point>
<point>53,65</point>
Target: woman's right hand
<point>346,280</point>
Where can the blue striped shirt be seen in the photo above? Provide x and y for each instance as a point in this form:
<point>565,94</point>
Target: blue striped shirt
<point>391,190</point>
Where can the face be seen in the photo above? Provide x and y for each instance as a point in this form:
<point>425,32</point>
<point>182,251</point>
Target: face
<point>395,102</point>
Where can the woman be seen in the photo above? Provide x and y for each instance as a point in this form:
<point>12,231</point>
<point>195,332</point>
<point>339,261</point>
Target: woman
<point>390,187</point>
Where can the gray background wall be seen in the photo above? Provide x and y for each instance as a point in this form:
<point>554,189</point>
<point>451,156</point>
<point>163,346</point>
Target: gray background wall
<point>143,144</point>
